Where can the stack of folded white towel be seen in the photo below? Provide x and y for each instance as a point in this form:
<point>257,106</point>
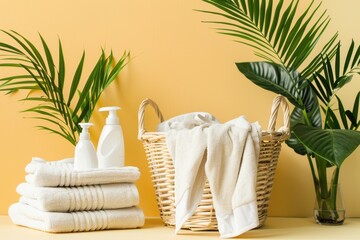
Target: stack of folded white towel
<point>56,198</point>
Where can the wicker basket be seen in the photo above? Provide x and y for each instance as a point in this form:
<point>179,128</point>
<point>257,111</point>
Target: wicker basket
<point>163,173</point>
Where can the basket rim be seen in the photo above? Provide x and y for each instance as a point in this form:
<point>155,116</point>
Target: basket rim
<point>279,101</point>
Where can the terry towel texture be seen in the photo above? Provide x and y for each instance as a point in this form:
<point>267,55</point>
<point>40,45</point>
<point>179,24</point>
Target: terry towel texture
<point>69,199</point>
<point>187,121</point>
<point>57,222</point>
<point>56,198</point>
<point>227,155</point>
<point>61,173</point>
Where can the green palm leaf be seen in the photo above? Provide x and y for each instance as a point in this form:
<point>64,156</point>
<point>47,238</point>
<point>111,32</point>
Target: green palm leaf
<point>278,33</point>
<point>275,78</point>
<point>76,79</point>
<point>333,145</point>
<point>41,73</point>
<point>330,79</point>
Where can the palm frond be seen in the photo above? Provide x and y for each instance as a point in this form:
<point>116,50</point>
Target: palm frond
<point>332,75</point>
<point>76,79</point>
<point>103,74</point>
<point>277,32</point>
<point>40,73</point>
<point>315,65</point>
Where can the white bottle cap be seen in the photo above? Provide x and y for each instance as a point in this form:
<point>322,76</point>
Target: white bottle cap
<point>85,135</point>
<point>112,118</point>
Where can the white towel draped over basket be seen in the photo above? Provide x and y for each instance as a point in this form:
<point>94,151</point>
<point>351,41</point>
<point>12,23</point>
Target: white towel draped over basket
<point>226,154</point>
<point>249,143</point>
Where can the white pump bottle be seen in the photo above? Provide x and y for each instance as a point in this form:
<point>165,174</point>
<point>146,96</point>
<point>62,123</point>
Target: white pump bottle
<point>85,155</point>
<point>110,150</point>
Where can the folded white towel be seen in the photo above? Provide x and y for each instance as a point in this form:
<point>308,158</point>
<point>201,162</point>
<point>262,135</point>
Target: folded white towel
<point>69,199</point>
<point>227,154</point>
<point>56,222</point>
<point>61,173</point>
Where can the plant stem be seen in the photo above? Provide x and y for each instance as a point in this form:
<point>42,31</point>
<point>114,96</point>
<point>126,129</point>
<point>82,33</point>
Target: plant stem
<point>334,185</point>
<point>321,169</point>
<point>315,180</point>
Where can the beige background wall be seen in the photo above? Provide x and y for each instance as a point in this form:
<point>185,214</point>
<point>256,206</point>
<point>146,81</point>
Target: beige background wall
<point>179,62</point>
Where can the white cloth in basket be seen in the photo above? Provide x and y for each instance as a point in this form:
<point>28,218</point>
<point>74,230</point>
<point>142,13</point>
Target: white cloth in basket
<point>227,154</point>
<point>187,121</point>
<point>61,173</point>
<point>69,199</point>
<point>57,222</point>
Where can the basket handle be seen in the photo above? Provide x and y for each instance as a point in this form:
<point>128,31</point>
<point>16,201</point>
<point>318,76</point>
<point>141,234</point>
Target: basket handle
<point>141,115</point>
<point>279,100</point>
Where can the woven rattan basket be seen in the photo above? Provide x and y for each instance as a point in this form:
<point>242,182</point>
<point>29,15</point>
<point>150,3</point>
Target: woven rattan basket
<point>163,173</point>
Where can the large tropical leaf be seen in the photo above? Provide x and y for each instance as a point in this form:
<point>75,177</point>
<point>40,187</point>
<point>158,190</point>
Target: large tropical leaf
<point>333,145</point>
<point>275,78</point>
<point>297,117</point>
<point>290,84</point>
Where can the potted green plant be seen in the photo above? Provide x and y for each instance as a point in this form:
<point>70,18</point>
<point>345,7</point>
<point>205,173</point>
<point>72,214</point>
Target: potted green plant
<point>36,72</point>
<point>285,39</point>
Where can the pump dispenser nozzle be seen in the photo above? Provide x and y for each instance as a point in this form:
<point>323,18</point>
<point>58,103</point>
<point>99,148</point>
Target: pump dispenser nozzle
<point>84,135</point>
<point>112,119</point>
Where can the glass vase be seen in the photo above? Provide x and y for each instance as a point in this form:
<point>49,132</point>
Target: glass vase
<point>329,209</point>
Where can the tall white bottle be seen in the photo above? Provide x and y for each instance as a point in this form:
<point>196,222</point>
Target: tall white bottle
<point>85,154</point>
<point>110,150</point>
